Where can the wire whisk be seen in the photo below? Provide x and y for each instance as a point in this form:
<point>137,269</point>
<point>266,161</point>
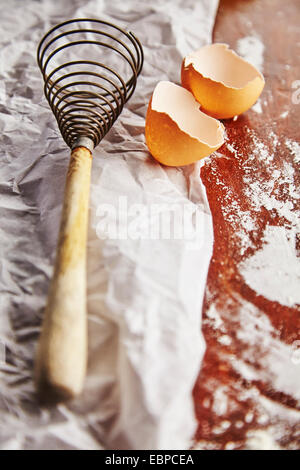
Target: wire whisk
<point>87,96</point>
<point>90,68</point>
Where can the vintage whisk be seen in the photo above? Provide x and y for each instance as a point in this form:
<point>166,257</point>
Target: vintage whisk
<point>90,68</point>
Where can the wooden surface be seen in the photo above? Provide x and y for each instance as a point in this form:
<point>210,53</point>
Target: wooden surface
<point>245,393</point>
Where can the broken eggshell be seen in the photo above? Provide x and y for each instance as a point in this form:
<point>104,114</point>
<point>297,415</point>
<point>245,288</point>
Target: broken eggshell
<point>222,82</point>
<point>177,132</point>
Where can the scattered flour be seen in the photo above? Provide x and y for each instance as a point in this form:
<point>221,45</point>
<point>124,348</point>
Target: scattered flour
<point>284,114</point>
<point>260,196</point>
<point>274,138</point>
<point>257,107</point>
<point>263,358</point>
<point>225,340</point>
<point>240,219</point>
<point>263,347</point>
<point>251,49</point>
<point>232,149</point>
<point>263,194</point>
<point>276,264</point>
<point>277,192</point>
<point>274,271</point>
<point>260,150</point>
<point>214,318</point>
<point>220,401</point>
<point>294,148</point>
<point>261,440</point>
<point>287,177</point>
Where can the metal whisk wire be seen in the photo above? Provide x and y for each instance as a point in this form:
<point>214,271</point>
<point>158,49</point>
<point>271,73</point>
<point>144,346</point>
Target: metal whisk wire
<point>87,96</point>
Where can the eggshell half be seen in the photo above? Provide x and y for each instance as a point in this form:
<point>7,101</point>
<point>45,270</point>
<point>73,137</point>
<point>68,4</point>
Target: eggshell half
<point>177,132</point>
<point>222,82</point>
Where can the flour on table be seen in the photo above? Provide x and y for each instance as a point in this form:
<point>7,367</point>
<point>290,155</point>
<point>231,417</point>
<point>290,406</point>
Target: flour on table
<point>261,440</point>
<point>274,271</point>
<point>294,148</point>
<point>276,263</point>
<point>263,359</point>
<point>284,114</point>
<point>251,49</point>
<point>257,107</point>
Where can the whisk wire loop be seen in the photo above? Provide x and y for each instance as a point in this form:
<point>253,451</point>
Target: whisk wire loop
<point>87,95</point>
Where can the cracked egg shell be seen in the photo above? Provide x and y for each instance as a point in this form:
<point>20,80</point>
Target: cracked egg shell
<point>177,132</point>
<point>222,82</point>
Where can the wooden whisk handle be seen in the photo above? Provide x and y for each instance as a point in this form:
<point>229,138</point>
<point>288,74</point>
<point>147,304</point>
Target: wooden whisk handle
<point>62,350</point>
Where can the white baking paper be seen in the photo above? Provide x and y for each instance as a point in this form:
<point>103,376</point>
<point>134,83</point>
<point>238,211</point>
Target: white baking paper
<point>144,295</point>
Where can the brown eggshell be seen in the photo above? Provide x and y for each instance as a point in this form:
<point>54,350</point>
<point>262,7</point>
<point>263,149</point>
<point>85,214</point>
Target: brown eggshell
<point>222,82</point>
<point>177,132</point>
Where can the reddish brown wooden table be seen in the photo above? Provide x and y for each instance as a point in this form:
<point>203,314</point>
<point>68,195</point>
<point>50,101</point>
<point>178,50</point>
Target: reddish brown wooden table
<point>241,389</point>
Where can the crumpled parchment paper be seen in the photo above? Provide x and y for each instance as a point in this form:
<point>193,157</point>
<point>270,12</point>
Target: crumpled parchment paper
<point>144,296</point>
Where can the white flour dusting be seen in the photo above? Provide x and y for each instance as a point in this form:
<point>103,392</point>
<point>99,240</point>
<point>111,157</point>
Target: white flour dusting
<point>294,148</point>
<point>263,358</point>
<point>214,319</point>
<point>251,49</point>
<point>284,114</point>
<point>262,194</point>
<point>257,107</point>
<point>276,264</point>
<point>261,440</point>
<point>232,149</point>
<point>274,271</point>
<point>266,359</point>
<point>260,151</point>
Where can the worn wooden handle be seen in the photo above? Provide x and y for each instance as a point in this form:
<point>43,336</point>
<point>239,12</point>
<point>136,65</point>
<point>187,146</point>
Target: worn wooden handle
<point>62,351</point>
